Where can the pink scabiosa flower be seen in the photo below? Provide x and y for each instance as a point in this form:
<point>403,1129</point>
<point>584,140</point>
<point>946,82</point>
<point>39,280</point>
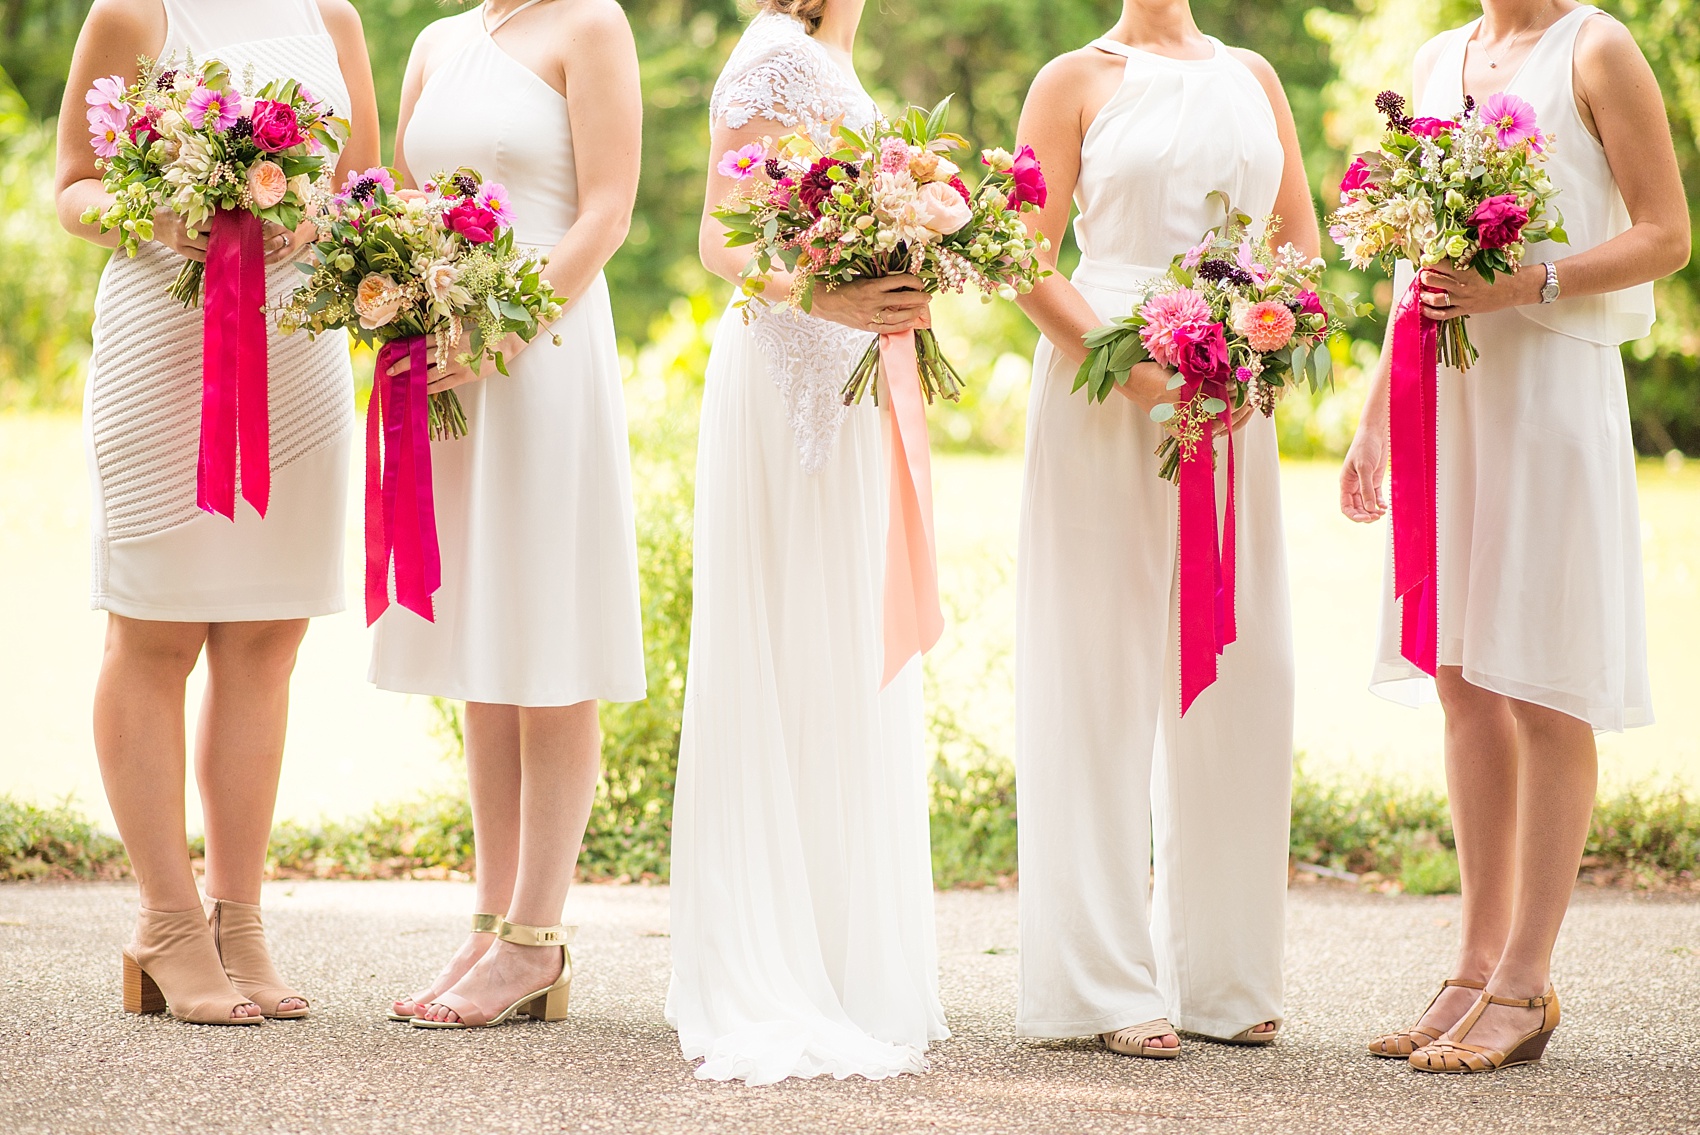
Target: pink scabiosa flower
<point>213,110</point>
<point>1510,118</point>
<point>1267,326</point>
<point>741,164</point>
<point>1029,180</point>
<point>494,197</point>
<point>1163,315</point>
<point>894,155</point>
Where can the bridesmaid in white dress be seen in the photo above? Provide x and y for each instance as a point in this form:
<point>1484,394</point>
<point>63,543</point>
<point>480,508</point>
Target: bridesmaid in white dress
<point>538,615</point>
<point>802,923</point>
<point>175,580</point>
<point>1542,627</point>
<point>1140,127</point>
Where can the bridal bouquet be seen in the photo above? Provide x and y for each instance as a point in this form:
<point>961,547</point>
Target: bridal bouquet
<point>191,140</point>
<point>887,201</point>
<point>439,265</point>
<point>1469,191</point>
<point>1236,320</point>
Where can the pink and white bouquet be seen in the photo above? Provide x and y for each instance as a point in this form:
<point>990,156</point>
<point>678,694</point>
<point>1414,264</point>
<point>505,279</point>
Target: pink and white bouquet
<point>438,265</point>
<point>1469,191</point>
<point>197,141</point>
<point>886,201</point>
<point>1235,320</point>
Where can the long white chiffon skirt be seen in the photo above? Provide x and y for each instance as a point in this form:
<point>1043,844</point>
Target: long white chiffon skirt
<point>802,904</point>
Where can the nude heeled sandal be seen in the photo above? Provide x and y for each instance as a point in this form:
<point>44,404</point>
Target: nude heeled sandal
<point>1455,1056</point>
<point>241,941</point>
<point>481,924</point>
<point>1133,1040</point>
<point>173,964</point>
<point>1254,1038</point>
<point>1399,1045</point>
<point>546,1004</point>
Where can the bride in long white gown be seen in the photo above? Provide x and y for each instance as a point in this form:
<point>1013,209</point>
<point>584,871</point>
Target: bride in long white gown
<point>802,925</point>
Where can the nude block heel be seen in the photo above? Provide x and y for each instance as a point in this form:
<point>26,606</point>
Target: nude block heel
<point>141,995</point>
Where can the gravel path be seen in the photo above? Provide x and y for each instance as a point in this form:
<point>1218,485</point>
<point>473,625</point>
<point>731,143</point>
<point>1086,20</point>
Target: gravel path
<point>71,1062</point>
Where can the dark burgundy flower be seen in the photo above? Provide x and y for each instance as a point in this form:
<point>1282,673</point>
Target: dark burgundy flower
<point>1200,351</point>
<point>1392,105</point>
<point>961,187</point>
<point>817,184</point>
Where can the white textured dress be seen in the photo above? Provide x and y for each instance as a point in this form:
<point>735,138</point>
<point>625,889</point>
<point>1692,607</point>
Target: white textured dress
<point>802,904</point>
<point>539,602</point>
<point>156,554</point>
<point>1106,767</point>
<point>1539,526</point>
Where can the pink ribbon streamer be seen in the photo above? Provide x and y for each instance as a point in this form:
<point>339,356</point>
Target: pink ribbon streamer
<point>1413,427</point>
<point>401,515</point>
<point>913,618</point>
<point>235,418</point>
<point>1208,622</point>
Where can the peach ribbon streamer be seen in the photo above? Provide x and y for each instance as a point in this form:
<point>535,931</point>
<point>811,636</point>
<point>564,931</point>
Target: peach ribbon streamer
<point>913,618</point>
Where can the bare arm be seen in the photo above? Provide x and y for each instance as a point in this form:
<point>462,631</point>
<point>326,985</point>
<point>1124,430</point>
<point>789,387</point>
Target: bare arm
<point>1293,203</point>
<point>362,149</point>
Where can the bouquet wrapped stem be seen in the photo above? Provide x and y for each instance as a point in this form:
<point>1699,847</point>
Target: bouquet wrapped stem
<point>938,377</point>
<point>187,288</point>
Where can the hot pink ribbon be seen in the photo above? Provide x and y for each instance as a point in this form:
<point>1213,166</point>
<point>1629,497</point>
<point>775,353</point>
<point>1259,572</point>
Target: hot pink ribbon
<point>233,368</point>
<point>913,618</point>
<point>401,516</point>
<point>1208,622</point>
<point>1414,422</point>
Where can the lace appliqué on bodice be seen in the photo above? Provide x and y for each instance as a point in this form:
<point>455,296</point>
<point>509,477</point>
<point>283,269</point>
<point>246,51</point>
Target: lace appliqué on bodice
<point>777,72</point>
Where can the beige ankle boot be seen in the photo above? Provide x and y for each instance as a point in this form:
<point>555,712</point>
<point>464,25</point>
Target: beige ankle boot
<point>241,943</point>
<point>173,964</point>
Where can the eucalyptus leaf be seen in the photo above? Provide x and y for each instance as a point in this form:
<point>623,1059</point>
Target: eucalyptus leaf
<point>1162,412</point>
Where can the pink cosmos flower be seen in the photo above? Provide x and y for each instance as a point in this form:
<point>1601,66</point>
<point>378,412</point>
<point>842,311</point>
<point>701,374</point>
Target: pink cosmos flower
<point>1247,260</point>
<point>1357,177</point>
<point>104,132</point>
<point>1201,351</point>
<point>494,197</point>
<point>894,155</point>
<point>1196,252</point>
<point>212,110</point>
<point>106,92</point>
<point>1163,314</point>
<point>1267,326</point>
<point>742,164</point>
<point>1499,221</point>
<point>1029,180</point>
<point>1510,118</point>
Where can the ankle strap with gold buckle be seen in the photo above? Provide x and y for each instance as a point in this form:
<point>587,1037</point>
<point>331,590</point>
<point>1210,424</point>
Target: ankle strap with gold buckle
<point>535,935</point>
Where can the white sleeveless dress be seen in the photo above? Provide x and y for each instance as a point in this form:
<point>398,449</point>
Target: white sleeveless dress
<point>1540,534</point>
<point>802,905</point>
<point>1105,765</point>
<point>156,555</point>
<point>539,602</point>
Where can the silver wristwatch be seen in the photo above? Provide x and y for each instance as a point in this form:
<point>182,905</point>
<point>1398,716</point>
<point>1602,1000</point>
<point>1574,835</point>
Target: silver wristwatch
<point>1549,291</point>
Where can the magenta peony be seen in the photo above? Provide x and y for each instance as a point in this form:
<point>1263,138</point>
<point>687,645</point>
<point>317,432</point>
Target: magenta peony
<point>1029,180</point>
<point>472,221</point>
<point>1431,127</point>
<point>1499,221</point>
<point>276,127</point>
<point>1201,351</point>
<point>1357,177</point>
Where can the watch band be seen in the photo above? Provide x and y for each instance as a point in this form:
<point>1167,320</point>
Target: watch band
<point>1549,291</point>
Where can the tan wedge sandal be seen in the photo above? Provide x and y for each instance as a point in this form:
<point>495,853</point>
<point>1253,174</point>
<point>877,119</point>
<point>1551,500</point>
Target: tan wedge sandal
<point>1254,1038</point>
<point>1400,1045</point>
<point>1454,1056</point>
<point>1135,1040</point>
<point>481,924</point>
<point>241,941</point>
<point>173,965</point>
<point>546,1004</point>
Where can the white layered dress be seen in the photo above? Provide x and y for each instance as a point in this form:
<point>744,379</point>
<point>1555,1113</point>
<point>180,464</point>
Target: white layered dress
<point>539,602</point>
<point>802,906</point>
<point>1539,525</point>
<point>1108,772</point>
<point>156,555</point>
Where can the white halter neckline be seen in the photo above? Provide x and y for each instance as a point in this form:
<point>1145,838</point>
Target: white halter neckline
<point>484,16</point>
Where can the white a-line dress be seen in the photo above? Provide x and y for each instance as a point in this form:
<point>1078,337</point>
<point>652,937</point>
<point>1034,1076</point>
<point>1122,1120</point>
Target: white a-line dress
<point>1540,535</point>
<point>156,554</point>
<point>539,603</point>
<point>1106,767</point>
<point>802,905</point>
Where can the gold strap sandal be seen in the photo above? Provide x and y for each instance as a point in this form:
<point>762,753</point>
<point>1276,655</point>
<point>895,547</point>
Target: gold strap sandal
<point>1455,1056</point>
<point>241,941</point>
<point>481,924</point>
<point>1134,1040</point>
<point>173,964</point>
<point>546,1004</point>
<point>1400,1045</point>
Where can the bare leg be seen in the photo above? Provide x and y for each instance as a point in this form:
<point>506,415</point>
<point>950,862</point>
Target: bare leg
<point>560,760</point>
<point>493,781</point>
<point>1481,782</point>
<point>139,739</point>
<point>1559,776</point>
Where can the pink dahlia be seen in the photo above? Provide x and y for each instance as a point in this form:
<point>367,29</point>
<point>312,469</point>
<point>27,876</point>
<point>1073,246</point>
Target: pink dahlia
<point>1267,326</point>
<point>213,110</point>
<point>742,163</point>
<point>1510,118</point>
<point>1164,315</point>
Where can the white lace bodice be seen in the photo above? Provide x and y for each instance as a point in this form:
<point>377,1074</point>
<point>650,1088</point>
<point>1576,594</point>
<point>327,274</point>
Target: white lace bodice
<point>779,73</point>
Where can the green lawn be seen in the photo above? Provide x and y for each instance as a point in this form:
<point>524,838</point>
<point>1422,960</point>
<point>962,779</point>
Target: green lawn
<point>352,747</point>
